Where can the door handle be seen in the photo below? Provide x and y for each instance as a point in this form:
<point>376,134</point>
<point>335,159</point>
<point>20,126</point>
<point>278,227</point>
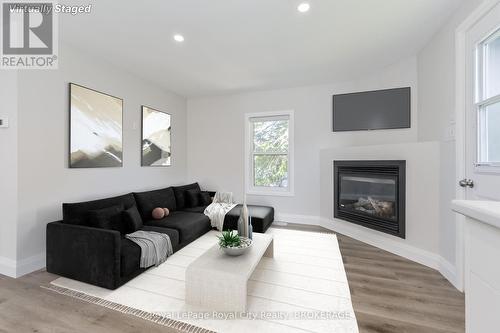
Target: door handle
<point>466,183</point>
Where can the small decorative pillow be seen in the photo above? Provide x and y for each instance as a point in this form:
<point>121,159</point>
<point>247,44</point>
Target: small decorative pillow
<point>107,218</point>
<point>192,198</point>
<point>167,211</point>
<point>158,213</point>
<point>205,199</point>
<point>132,219</point>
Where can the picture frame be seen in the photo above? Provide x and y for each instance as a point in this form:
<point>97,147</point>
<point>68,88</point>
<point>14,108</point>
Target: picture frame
<point>156,137</point>
<point>95,128</point>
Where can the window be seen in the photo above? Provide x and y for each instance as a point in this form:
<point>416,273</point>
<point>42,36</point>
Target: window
<point>269,155</point>
<point>488,101</point>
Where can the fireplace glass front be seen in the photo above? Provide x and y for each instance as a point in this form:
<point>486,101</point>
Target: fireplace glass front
<point>371,194</point>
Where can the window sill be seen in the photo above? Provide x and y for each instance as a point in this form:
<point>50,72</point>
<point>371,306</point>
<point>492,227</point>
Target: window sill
<point>272,193</point>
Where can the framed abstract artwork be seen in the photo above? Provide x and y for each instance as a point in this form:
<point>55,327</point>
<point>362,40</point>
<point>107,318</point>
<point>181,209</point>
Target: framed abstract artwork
<point>156,138</point>
<point>96,125</point>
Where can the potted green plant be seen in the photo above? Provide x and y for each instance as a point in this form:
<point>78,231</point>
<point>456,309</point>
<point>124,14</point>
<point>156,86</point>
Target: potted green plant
<point>232,244</point>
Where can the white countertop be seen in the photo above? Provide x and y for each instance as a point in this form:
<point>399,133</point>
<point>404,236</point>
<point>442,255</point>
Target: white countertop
<point>484,211</point>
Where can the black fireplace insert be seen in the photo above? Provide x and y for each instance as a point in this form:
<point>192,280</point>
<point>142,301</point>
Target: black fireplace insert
<point>371,194</point>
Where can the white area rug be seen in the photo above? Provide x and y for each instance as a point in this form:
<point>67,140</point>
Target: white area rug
<point>302,289</point>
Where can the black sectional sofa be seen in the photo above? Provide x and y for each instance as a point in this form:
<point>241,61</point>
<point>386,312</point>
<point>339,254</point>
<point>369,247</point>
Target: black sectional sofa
<point>102,256</point>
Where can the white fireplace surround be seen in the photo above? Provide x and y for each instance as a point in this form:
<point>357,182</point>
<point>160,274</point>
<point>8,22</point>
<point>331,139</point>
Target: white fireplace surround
<point>422,175</point>
<point>422,243</point>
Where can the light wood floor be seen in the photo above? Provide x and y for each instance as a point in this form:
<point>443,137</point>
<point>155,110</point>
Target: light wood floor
<point>389,294</point>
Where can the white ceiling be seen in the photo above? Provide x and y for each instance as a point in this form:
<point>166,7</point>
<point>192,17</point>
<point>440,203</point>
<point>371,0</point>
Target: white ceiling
<point>239,45</point>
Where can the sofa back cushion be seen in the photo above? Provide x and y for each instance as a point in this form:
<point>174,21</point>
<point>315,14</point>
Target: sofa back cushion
<point>180,194</point>
<point>205,199</point>
<point>132,219</point>
<point>76,213</point>
<point>192,198</point>
<point>147,201</point>
<point>110,218</point>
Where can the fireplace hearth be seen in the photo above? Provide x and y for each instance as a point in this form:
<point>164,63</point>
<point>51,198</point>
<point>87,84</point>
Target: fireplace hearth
<point>371,194</point>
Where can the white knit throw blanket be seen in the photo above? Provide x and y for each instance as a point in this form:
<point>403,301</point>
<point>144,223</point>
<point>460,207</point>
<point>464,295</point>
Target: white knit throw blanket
<point>155,247</point>
<point>217,210</point>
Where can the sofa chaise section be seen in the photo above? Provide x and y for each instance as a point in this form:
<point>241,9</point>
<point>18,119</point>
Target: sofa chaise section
<point>261,216</point>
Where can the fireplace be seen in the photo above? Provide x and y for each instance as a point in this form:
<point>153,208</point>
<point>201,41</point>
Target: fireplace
<point>371,194</point>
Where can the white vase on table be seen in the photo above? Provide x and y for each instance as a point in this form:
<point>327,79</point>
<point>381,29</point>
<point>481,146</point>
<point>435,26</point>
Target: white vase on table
<point>243,220</point>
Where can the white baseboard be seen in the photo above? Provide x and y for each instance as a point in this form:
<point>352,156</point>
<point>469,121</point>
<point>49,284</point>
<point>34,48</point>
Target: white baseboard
<point>298,219</point>
<point>383,242</point>
<point>449,271</point>
<point>30,264</point>
<point>386,243</point>
<point>7,267</point>
<point>19,268</point>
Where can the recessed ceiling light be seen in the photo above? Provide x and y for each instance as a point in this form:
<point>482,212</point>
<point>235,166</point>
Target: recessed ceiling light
<point>179,38</point>
<point>304,7</point>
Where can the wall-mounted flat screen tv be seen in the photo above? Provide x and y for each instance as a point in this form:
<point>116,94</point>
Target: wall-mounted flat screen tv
<point>372,110</point>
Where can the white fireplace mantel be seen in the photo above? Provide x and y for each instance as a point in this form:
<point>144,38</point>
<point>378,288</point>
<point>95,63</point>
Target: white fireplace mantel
<point>482,265</point>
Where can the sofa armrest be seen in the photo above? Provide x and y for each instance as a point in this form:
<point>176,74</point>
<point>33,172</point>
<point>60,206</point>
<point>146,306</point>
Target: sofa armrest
<point>83,253</point>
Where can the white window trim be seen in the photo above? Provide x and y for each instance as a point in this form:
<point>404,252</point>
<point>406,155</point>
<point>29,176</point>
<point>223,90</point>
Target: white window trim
<point>480,103</point>
<point>250,189</point>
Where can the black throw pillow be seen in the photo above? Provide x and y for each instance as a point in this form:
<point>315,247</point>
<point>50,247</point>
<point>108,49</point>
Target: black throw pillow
<point>205,199</point>
<point>107,218</point>
<point>132,219</point>
<point>192,198</point>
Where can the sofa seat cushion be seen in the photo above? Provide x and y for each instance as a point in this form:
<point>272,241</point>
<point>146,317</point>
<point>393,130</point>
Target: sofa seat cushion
<point>189,225</point>
<point>172,234</point>
<point>199,209</point>
<point>130,252</point>
<point>147,201</point>
<point>262,217</point>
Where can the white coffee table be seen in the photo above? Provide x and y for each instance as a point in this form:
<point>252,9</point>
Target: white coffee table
<point>218,282</point>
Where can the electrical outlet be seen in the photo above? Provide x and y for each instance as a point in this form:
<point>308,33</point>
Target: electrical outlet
<point>4,122</point>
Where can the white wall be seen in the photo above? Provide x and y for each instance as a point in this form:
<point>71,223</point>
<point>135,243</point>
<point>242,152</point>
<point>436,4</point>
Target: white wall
<point>436,78</point>
<point>8,172</point>
<point>216,134</point>
<point>44,179</point>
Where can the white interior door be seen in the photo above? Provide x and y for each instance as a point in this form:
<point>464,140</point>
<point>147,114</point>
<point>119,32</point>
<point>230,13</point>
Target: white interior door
<point>482,120</point>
